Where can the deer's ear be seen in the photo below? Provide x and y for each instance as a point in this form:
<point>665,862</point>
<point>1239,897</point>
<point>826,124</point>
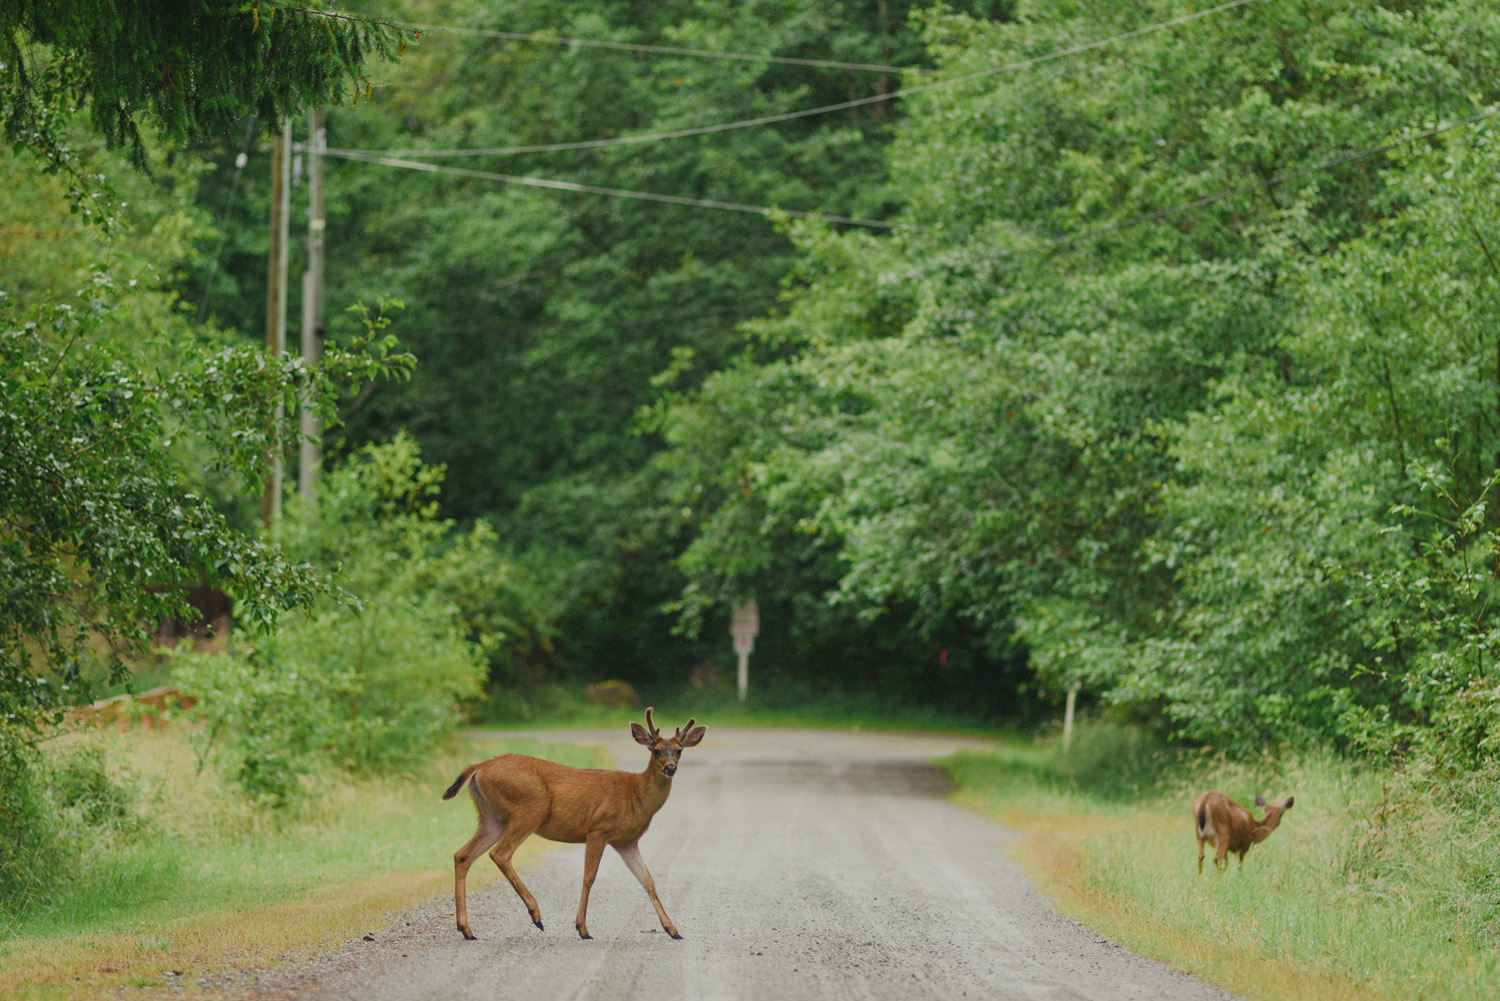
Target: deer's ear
<point>693,736</point>
<point>1289,802</point>
<point>641,736</point>
<point>1260,800</point>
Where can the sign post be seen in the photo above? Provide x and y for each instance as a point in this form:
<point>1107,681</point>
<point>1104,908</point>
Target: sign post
<point>744,626</point>
<point>1068,715</point>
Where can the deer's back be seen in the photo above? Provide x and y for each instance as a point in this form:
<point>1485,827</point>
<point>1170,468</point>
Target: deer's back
<point>565,803</point>
<point>1220,817</point>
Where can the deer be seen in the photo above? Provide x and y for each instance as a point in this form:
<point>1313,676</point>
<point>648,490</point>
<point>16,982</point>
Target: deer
<point>1231,827</point>
<point>517,795</point>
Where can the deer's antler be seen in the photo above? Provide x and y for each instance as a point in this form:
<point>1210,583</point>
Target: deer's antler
<point>650,726</point>
<point>684,729</point>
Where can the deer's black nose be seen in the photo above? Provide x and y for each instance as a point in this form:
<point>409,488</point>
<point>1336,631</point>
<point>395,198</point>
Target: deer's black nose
<point>670,770</point>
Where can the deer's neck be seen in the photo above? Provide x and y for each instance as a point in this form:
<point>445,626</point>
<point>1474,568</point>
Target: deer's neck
<point>655,788</point>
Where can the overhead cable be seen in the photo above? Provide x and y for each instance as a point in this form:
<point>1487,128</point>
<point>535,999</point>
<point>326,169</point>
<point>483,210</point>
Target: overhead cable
<point>809,112</point>
<point>517,36</point>
<point>542,182</point>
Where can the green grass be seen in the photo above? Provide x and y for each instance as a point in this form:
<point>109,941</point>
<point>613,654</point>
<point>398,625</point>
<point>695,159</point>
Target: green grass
<point>1376,884</point>
<point>206,874</point>
<point>782,706</point>
<point>196,859</point>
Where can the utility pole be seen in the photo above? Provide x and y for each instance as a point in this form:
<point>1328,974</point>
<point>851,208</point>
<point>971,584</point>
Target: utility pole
<point>310,454</point>
<point>281,170</point>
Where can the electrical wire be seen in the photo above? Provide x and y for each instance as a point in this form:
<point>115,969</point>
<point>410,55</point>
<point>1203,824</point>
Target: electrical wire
<point>541,182</point>
<point>1055,241</point>
<point>516,36</point>
<point>809,112</point>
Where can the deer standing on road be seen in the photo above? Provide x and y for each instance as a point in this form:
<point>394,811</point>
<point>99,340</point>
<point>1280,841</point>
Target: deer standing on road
<point>518,795</point>
<point>1231,827</point>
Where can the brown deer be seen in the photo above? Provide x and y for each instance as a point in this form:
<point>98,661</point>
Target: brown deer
<point>518,795</point>
<point>1231,827</point>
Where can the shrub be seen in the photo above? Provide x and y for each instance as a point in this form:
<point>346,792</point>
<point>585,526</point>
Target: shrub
<point>59,802</point>
<point>29,849</point>
<point>368,683</point>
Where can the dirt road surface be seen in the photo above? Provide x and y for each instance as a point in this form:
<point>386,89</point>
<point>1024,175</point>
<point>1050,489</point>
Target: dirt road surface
<point>797,864</point>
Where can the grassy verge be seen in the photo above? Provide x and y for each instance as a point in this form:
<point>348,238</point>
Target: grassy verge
<point>1376,885</point>
<point>210,883</point>
<point>569,706</point>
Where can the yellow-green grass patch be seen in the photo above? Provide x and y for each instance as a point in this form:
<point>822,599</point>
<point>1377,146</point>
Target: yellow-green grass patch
<point>215,884</point>
<point>1331,906</point>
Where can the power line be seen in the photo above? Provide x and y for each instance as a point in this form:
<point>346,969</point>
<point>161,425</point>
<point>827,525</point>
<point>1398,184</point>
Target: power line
<point>541,182</point>
<point>1055,241</point>
<point>517,36</point>
<point>808,112</point>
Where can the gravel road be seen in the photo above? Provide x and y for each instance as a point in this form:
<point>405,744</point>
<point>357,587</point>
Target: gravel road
<point>797,864</point>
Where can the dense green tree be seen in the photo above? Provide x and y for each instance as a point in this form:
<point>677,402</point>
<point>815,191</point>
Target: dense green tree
<point>101,438</point>
<point>115,412</point>
<point>543,319</point>
<point>1027,408</point>
<point>191,69</point>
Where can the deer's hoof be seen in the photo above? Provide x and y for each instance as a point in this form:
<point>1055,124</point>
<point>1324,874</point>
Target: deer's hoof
<point>675,935</point>
<point>538,923</point>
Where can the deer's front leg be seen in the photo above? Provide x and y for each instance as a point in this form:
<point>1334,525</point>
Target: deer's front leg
<point>593,851</point>
<point>631,853</point>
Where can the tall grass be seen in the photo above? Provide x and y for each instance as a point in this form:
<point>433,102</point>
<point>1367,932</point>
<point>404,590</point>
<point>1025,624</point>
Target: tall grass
<point>1378,882</point>
<point>203,865</point>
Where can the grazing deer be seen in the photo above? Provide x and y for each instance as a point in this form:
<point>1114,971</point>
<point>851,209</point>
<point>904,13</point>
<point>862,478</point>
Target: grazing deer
<point>1231,827</point>
<point>518,795</point>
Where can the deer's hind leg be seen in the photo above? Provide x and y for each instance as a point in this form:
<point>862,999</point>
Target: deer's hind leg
<point>491,829</point>
<point>516,831</point>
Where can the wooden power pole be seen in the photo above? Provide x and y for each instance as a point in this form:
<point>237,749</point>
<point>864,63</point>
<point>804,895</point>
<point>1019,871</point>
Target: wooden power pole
<point>310,455</point>
<point>281,170</point>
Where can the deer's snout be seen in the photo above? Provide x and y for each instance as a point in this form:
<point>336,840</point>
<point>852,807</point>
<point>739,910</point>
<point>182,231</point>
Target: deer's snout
<point>670,768</point>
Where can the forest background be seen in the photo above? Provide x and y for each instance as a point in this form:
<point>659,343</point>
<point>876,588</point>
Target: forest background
<point>1163,365</point>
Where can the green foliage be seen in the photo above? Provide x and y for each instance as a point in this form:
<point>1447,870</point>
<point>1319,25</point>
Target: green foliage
<point>30,853</point>
<point>372,683</point>
<point>58,804</point>
<point>100,539</point>
<point>545,320</point>
<point>1169,455</point>
<point>193,70</point>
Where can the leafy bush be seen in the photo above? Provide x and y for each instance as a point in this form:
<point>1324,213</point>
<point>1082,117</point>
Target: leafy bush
<point>59,803</point>
<point>29,850</point>
<point>370,682</point>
